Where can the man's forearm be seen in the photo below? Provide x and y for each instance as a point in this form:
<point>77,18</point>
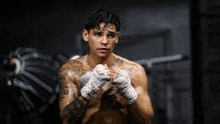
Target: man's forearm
<point>75,111</point>
<point>141,110</point>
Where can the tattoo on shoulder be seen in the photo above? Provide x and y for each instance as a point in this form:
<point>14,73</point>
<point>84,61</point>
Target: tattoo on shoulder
<point>74,67</point>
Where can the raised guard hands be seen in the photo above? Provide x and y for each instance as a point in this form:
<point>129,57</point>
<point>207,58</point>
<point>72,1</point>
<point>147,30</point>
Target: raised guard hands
<point>93,80</point>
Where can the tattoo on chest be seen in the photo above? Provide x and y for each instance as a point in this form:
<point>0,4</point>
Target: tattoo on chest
<point>123,64</point>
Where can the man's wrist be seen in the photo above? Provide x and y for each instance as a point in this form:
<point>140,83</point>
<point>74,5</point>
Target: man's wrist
<point>131,95</point>
<point>83,100</point>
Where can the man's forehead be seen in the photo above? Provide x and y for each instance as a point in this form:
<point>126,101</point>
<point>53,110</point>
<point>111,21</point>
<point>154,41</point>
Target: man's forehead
<point>103,26</point>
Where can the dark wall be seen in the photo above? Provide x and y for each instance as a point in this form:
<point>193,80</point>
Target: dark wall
<point>54,24</point>
<point>206,67</point>
<point>150,29</point>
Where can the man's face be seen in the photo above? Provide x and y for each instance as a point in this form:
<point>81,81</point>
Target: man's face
<point>101,40</point>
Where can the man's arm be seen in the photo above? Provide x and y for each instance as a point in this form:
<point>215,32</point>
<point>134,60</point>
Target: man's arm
<point>142,108</point>
<point>71,106</point>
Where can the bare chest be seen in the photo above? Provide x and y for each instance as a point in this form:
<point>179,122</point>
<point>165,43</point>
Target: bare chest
<point>108,97</point>
<point>107,106</point>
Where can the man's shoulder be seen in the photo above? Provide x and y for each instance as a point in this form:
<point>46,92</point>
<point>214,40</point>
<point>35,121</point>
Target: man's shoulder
<point>127,63</point>
<point>73,67</point>
<point>132,67</point>
<point>73,64</point>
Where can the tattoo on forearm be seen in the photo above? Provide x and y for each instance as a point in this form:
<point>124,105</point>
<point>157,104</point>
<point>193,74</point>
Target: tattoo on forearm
<point>75,111</point>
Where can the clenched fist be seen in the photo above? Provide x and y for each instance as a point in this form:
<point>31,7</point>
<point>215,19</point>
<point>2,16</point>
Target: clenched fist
<point>94,80</point>
<point>122,80</point>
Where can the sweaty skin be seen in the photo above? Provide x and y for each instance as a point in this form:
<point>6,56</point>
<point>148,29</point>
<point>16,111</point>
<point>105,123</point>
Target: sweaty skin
<point>107,106</point>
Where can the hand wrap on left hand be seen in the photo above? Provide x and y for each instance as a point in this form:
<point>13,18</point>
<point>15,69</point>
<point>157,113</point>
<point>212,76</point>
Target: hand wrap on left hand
<point>123,82</point>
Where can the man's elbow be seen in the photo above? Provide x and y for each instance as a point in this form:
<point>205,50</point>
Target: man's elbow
<point>63,117</point>
<point>150,112</point>
<point>147,118</point>
<point>62,114</point>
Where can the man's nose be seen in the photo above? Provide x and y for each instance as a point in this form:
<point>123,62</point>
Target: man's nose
<point>104,40</point>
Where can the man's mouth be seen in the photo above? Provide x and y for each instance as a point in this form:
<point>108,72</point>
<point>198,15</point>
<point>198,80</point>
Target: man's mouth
<point>103,50</point>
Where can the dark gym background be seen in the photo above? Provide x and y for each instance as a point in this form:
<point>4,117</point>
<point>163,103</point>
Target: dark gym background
<point>182,92</point>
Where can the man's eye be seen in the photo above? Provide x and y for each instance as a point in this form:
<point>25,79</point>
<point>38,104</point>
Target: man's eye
<point>98,34</point>
<point>111,36</point>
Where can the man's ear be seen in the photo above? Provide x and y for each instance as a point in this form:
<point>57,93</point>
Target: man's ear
<point>85,35</point>
<point>119,35</point>
<point>116,41</point>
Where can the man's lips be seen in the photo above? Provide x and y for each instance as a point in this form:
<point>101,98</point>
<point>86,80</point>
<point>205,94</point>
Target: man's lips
<point>103,49</point>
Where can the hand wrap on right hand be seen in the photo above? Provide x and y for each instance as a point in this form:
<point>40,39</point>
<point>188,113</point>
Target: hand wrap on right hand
<point>94,80</point>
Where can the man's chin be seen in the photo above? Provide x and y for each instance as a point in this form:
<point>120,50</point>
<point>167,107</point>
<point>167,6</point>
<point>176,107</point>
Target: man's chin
<point>104,56</point>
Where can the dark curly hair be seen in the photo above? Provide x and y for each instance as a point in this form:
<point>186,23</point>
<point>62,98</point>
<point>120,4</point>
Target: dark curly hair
<point>100,16</point>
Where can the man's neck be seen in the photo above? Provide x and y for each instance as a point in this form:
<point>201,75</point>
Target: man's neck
<point>94,60</point>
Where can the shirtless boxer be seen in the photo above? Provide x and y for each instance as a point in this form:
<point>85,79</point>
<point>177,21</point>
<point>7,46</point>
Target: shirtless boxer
<point>102,87</point>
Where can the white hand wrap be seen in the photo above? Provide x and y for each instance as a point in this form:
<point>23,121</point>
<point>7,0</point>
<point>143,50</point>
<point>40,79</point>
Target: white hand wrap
<point>123,82</point>
<point>92,81</point>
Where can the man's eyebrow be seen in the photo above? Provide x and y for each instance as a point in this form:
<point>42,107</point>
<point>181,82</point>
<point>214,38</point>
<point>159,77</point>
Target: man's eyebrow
<point>113,32</point>
<point>97,30</point>
<point>100,31</point>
